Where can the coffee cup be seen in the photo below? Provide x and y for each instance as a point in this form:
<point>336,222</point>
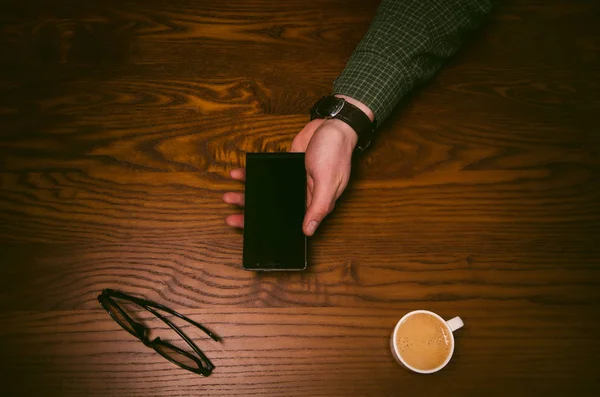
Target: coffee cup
<point>423,342</point>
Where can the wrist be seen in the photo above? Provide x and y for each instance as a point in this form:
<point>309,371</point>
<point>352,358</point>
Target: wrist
<point>347,133</point>
<point>358,119</point>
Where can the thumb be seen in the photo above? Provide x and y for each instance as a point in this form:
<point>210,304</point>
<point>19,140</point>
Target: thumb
<point>322,204</point>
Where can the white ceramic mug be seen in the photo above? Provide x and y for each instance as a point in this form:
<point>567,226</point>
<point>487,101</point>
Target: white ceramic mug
<point>452,325</point>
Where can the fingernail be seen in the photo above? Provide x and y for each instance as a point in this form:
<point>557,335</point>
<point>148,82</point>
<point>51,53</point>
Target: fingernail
<point>312,226</point>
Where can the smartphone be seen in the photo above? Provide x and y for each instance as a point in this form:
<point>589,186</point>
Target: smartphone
<point>274,211</point>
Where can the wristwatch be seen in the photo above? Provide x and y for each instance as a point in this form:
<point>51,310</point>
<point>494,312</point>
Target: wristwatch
<point>332,107</point>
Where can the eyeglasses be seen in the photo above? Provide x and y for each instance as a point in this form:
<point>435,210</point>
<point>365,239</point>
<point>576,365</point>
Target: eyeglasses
<point>199,363</point>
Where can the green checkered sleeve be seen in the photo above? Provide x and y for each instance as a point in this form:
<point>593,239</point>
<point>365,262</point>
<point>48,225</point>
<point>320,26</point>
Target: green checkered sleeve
<point>405,45</point>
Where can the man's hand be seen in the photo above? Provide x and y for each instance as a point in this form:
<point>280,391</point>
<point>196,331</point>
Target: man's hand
<point>328,145</point>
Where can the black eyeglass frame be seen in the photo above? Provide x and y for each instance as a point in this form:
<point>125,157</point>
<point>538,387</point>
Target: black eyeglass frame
<point>205,366</point>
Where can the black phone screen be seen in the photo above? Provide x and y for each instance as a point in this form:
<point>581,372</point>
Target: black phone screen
<point>274,211</point>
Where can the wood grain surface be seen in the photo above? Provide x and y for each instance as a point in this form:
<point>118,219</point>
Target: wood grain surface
<point>119,123</point>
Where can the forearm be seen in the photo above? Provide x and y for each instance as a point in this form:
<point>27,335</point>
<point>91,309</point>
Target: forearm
<point>406,44</point>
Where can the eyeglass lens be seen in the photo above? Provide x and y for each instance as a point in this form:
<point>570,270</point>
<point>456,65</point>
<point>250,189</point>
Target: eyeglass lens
<point>118,316</point>
<point>167,351</point>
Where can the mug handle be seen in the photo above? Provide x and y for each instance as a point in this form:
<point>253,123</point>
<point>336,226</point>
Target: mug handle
<point>455,323</point>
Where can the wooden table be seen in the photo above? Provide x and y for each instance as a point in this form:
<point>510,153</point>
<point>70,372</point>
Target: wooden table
<point>121,119</point>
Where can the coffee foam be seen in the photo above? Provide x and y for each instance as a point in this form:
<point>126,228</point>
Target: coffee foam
<point>423,341</point>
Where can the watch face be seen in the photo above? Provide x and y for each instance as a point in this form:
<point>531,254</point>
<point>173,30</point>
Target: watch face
<point>329,106</point>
